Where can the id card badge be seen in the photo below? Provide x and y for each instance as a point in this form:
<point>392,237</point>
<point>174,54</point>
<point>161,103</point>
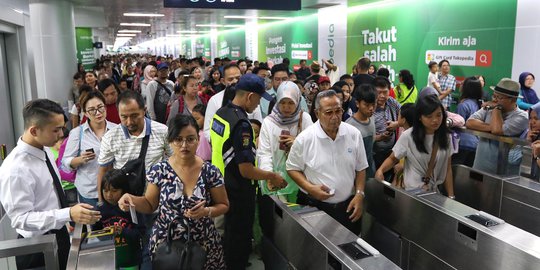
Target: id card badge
<point>133,214</point>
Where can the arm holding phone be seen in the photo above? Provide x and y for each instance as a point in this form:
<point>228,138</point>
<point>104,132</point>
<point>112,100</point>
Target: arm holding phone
<point>85,157</point>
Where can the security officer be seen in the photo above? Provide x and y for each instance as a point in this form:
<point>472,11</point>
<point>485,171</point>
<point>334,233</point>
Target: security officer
<point>233,152</point>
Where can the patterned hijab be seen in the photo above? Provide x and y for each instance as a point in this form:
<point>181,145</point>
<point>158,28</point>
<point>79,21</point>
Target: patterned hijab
<point>147,77</point>
<point>289,90</point>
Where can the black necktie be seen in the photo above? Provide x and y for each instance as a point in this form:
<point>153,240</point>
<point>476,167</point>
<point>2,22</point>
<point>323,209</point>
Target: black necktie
<point>56,182</point>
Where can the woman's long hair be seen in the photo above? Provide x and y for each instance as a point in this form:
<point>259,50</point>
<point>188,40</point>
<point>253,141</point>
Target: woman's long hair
<point>472,89</point>
<point>407,78</point>
<point>425,106</point>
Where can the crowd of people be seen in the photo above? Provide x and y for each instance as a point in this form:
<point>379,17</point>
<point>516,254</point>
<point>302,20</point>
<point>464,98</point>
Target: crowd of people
<point>181,141</point>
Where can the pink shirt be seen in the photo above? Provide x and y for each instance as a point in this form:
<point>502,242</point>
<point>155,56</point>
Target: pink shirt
<point>204,150</point>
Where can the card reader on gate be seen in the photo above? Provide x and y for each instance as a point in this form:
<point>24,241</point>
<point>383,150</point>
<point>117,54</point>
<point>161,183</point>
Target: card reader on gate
<point>485,219</point>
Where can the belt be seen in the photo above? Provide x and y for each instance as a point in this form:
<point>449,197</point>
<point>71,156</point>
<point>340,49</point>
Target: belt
<point>314,202</point>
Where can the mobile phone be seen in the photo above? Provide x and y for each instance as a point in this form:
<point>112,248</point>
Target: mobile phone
<point>282,146</point>
<point>91,150</point>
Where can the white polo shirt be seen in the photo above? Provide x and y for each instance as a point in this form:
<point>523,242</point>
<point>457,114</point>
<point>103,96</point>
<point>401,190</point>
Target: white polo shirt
<point>118,146</point>
<point>333,163</point>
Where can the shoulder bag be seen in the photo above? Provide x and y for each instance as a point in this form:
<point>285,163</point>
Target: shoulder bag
<point>68,175</point>
<point>427,179</point>
<point>136,170</point>
<point>179,254</point>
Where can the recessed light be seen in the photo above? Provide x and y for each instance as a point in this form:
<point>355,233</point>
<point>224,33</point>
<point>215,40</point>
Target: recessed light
<point>143,15</point>
<point>126,35</point>
<point>273,18</point>
<point>129,31</point>
<point>135,24</point>
<point>209,25</point>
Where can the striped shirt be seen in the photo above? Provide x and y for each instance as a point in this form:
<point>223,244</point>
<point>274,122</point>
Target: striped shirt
<point>448,81</point>
<point>118,146</point>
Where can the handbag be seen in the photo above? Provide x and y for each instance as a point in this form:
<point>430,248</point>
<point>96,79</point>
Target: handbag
<point>179,254</point>
<point>67,174</point>
<point>136,171</point>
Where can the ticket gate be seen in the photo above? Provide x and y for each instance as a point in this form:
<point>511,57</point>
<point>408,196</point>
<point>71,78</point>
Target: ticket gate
<point>431,231</point>
<point>514,199</point>
<point>94,250</point>
<point>307,238</point>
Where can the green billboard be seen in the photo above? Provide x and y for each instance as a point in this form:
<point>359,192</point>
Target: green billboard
<point>232,44</point>
<point>202,46</point>
<point>186,47</point>
<point>295,40</point>
<point>85,47</point>
<point>476,37</point>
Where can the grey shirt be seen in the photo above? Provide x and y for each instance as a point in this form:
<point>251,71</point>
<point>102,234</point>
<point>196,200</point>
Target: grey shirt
<point>368,135</point>
<point>515,122</point>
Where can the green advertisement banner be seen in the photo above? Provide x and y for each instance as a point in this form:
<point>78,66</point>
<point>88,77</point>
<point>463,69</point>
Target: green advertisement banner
<point>85,47</point>
<point>202,46</point>
<point>232,44</point>
<point>186,47</point>
<point>476,37</point>
<point>295,40</point>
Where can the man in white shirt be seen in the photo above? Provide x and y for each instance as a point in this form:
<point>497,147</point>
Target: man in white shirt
<point>328,162</point>
<point>30,188</point>
<point>231,75</point>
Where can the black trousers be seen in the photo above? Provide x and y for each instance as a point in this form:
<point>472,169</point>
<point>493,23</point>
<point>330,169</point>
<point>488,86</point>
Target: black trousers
<point>37,260</point>
<point>238,229</point>
<point>338,211</point>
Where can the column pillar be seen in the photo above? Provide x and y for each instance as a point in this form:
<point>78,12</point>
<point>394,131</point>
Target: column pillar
<point>53,40</point>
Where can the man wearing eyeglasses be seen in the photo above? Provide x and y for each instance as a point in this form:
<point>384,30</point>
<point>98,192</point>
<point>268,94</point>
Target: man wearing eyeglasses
<point>328,162</point>
<point>501,117</point>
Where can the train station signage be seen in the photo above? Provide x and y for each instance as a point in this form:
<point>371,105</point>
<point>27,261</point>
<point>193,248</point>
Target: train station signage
<point>235,4</point>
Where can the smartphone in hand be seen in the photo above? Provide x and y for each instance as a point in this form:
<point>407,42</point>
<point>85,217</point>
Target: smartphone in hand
<point>91,150</point>
<point>282,146</point>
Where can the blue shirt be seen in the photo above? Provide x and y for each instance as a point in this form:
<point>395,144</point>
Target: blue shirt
<point>466,109</point>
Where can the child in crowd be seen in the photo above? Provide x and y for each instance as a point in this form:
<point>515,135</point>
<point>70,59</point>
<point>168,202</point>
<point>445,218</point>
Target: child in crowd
<point>405,121</point>
<point>256,125</point>
<point>127,233</point>
<point>433,79</point>
<point>204,149</point>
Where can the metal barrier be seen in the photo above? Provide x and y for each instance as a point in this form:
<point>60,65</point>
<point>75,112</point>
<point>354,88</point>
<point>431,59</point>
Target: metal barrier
<point>93,254</point>
<point>310,239</point>
<point>10,246</point>
<point>431,231</point>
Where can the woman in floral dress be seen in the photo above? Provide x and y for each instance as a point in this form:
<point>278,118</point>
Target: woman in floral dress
<point>187,190</point>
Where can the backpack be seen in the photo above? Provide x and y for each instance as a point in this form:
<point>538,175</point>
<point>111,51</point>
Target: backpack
<point>161,100</point>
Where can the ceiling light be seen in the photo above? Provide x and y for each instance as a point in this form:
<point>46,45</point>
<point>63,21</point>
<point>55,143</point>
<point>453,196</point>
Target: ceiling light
<point>173,35</point>
<point>126,35</point>
<point>273,18</point>
<point>186,32</point>
<point>143,15</point>
<point>234,25</point>
<point>255,17</point>
<point>129,31</point>
<point>240,17</point>
<point>135,24</point>
<point>209,25</point>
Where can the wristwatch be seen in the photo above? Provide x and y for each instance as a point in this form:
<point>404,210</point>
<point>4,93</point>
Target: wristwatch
<point>361,193</point>
<point>500,107</point>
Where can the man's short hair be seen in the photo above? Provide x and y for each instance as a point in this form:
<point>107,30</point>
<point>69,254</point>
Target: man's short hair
<point>278,68</point>
<point>259,68</point>
<point>286,61</point>
<point>105,83</point>
<point>442,61</point>
<point>431,64</point>
<point>381,82</point>
<point>363,63</point>
<point>383,72</point>
<point>302,61</point>
<point>229,66</point>
<point>38,112</point>
<point>78,76</point>
<point>324,94</point>
<point>365,92</point>
<point>126,96</point>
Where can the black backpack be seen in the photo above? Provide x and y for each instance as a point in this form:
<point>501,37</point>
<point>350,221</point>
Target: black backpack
<point>161,100</point>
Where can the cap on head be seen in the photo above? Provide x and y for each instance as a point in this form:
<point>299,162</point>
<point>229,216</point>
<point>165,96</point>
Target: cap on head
<point>162,65</point>
<point>507,87</point>
<point>253,83</point>
<point>323,79</point>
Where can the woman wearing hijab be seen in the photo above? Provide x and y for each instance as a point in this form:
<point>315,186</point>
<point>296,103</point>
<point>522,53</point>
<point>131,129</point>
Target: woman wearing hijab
<point>277,135</point>
<point>149,75</point>
<point>527,95</point>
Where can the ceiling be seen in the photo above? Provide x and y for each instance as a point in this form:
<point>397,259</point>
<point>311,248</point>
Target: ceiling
<point>183,19</point>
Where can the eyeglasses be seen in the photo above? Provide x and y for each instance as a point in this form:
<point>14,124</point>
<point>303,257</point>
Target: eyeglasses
<point>94,111</point>
<point>188,141</point>
<point>330,113</point>
<point>499,97</point>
